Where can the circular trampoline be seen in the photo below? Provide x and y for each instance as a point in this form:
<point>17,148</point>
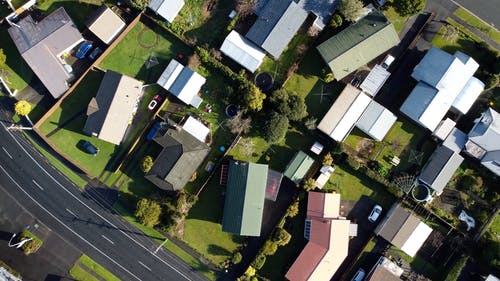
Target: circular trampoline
<point>264,81</point>
<point>232,110</point>
<point>421,193</point>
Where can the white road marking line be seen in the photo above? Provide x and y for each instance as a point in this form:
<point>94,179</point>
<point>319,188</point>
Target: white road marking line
<point>37,185</point>
<point>69,211</point>
<point>145,266</point>
<point>6,152</point>
<point>109,240</point>
<point>93,211</point>
<point>67,227</point>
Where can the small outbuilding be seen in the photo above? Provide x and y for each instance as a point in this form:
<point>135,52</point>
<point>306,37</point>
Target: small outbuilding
<point>376,121</point>
<point>167,9</point>
<point>105,24</point>
<point>298,167</point>
<point>242,51</point>
<point>439,169</point>
<point>196,128</point>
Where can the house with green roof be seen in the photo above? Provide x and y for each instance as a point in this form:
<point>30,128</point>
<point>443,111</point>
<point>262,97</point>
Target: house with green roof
<point>297,169</point>
<point>245,195</point>
<point>358,44</point>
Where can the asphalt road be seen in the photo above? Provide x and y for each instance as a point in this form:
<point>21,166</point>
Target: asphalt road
<point>487,10</point>
<point>80,218</point>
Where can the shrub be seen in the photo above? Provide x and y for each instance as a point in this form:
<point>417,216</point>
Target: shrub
<point>353,163</point>
<point>275,128</point>
<point>148,212</point>
<point>456,269</point>
<point>310,123</point>
<point>269,248</point>
<point>293,209</point>
<point>409,7</point>
<point>336,21</point>
<point>146,163</point>
<point>259,261</point>
<point>237,257</point>
<point>328,159</point>
<point>281,237</point>
<point>138,4</point>
<point>309,184</point>
<point>31,246</point>
<point>250,271</point>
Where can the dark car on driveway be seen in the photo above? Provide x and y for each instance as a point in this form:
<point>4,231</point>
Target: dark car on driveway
<point>90,148</point>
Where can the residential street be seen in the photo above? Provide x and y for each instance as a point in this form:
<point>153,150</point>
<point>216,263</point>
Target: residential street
<point>487,10</point>
<point>80,219</point>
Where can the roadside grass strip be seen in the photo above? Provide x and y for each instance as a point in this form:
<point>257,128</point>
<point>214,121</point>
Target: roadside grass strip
<point>85,269</point>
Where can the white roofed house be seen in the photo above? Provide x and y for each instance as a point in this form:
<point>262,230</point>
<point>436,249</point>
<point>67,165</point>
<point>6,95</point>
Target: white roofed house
<point>182,82</point>
<point>167,9</point>
<point>242,51</point>
<point>445,82</point>
<point>484,140</point>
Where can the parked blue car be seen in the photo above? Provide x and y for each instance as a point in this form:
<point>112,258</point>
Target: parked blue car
<point>90,148</point>
<point>84,49</point>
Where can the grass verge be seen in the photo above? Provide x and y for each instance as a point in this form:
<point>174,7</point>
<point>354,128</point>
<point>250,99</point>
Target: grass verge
<point>474,21</point>
<point>90,271</point>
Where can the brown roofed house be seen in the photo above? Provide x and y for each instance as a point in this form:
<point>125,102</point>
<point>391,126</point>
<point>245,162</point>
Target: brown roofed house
<point>105,24</point>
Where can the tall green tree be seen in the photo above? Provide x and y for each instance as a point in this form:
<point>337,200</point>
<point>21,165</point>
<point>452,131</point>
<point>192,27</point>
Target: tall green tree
<point>350,9</point>
<point>148,212</point>
<point>409,7</point>
<point>289,104</point>
<point>146,163</point>
<point>253,98</point>
<point>23,108</point>
<point>336,21</point>
<point>275,128</point>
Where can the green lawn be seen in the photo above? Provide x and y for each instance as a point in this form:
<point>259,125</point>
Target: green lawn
<point>352,185</point>
<point>397,20</point>
<point>129,56</point>
<point>418,264</point>
<point>16,73</point>
<point>90,270</point>
<point>203,230</point>
<point>474,21</point>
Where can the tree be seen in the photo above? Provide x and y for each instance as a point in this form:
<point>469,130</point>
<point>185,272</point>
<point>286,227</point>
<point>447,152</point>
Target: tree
<point>146,163</point>
<point>148,212</point>
<point>138,4</point>
<point>309,184</point>
<point>328,159</point>
<point>237,257</point>
<point>238,125</point>
<point>253,98</point>
<point>259,261</point>
<point>3,58</point>
<point>281,237</point>
<point>275,128</point>
<point>351,9</point>
<point>23,108</point>
<point>245,7</point>
<point>250,271</point>
<point>297,108</point>
<point>409,7</point>
<point>269,248</point>
<point>293,209</point>
<point>336,21</point>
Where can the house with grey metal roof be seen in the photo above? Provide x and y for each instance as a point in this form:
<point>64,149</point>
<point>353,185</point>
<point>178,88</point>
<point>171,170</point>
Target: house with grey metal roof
<point>403,230</point>
<point>484,140</point>
<point>445,82</point>
<point>358,44</point>
<point>110,112</point>
<point>439,169</point>
<point>245,195</point>
<point>376,121</point>
<point>181,155</point>
<point>167,9</point>
<point>44,44</point>
<point>105,24</point>
<point>276,25</point>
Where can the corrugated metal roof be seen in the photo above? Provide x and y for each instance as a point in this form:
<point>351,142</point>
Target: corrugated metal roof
<point>116,99</point>
<point>298,167</point>
<point>440,168</point>
<point>418,101</point>
<point>168,9</point>
<point>182,82</point>
<point>351,116</point>
<point>376,121</point>
<point>455,140</point>
<point>416,239</point>
<point>40,44</point>
<point>105,24</point>
<point>358,44</point>
<point>276,26</point>
<point>468,95</point>
<point>196,129</point>
<point>375,80</point>
<point>242,51</point>
<point>245,195</point>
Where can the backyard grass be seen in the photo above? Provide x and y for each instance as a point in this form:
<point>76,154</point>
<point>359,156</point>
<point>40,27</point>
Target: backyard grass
<point>397,20</point>
<point>352,185</point>
<point>158,237</point>
<point>79,11</point>
<point>203,230</point>
<point>419,264</point>
<point>130,58</point>
<point>90,271</point>
<point>16,73</point>
<point>474,21</point>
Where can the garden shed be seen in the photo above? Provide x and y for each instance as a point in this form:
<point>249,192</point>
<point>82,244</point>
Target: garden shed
<point>298,167</point>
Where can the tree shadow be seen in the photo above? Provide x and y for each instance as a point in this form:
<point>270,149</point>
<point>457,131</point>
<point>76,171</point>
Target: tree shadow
<point>217,250</point>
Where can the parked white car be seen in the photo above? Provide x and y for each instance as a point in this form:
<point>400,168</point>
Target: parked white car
<point>375,213</point>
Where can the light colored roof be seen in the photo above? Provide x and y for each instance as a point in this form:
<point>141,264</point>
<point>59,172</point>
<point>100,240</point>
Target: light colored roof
<point>168,9</point>
<point>344,113</point>
<point>468,95</point>
<point>242,51</point>
<point>106,25</point>
<point>276,25</point>
<point>40,44</point>
<point>298,167</point>
<point>116,98</point>
<point>455,140</point>
<point>358,44</point>
<point>444,129</point>
<point>323,205</point>
<point>196,129</point>
<point>440,168</point>
<point>182,82</point>
<point>425,106</point>
<point>416,239</point>
<point>376,121</point>
<point>491,277</point>
<point>375,80</point>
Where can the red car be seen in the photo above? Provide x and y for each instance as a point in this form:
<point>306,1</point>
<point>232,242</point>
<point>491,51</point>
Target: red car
<point>154,102</point>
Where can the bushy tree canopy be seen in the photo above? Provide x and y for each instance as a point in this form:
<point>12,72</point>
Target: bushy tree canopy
<point>148,212</point>
<point>293,209</point>
<point>253,98</point>
<point>3,58</point>
<point>281,237</point>
<point>289,104</point>
<point>138,4</point>
<point>275,128</point>
<point>309,184</point>
<point>269,248</point>
<point>409,7</point>
<point>336,21</point>
<point>237,257</point>
<point>22,108</point>
<point>328,159</point>
<point>351,9</point>
<point>146,163</point>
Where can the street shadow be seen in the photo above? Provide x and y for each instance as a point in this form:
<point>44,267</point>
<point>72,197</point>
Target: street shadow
<point>54,277</point>
<point>106,197</point>
<point>4,235</point>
